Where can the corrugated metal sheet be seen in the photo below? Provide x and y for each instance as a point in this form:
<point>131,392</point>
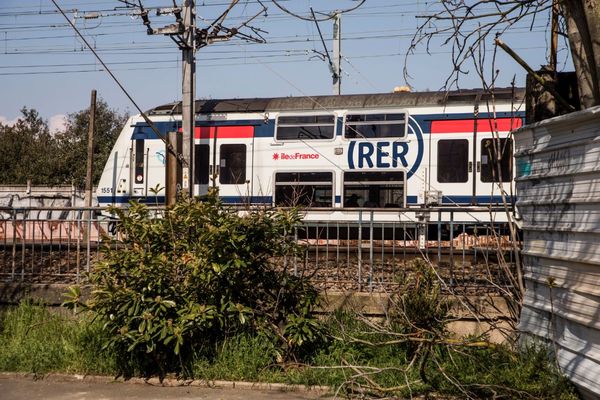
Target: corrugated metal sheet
<point>558,187</point>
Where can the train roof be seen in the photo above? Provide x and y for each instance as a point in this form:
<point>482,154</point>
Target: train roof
<point>352,101</point>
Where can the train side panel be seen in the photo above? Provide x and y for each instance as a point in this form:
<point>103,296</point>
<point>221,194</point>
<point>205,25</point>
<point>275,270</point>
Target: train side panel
<point>337,163</point>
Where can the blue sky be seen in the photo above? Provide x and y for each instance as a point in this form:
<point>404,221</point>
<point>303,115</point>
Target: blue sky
<point>43,65</point>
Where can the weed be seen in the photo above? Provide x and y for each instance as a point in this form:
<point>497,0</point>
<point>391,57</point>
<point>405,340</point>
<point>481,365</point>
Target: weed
<point>34,340</point>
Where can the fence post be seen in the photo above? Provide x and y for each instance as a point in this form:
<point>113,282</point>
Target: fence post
<point>371,245</point>
<point>359,249</point>
<point>14,244</point>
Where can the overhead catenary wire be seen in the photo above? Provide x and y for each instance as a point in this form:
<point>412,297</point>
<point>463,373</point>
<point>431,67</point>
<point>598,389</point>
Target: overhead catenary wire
<point>142,113</point>
<point>313,18</point>
<point>249,60</point>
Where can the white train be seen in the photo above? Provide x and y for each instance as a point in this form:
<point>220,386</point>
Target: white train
<point>336,155</point>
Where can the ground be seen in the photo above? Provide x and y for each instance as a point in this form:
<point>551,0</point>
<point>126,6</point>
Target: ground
<point>23,388</point>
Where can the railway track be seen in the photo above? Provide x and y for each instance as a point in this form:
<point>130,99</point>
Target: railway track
<point>330,266</point>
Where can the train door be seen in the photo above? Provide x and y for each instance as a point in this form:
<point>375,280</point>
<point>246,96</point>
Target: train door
<point>494,170</point>
<point>223,159</point>
<point>473,162</point>
<point>147,166</point>
<point>138,163</point>
<point>452,175</point>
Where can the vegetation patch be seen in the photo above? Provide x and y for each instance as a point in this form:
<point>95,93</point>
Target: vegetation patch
<point>35,340</point>
<point>197,293</point>
<point>172,288</point>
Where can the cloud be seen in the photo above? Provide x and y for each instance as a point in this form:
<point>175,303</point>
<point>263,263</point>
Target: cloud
<point>57,123</point>
<point>6,121</point>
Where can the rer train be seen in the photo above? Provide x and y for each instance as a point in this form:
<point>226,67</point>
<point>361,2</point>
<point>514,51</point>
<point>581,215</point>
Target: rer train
<point>334,155</point>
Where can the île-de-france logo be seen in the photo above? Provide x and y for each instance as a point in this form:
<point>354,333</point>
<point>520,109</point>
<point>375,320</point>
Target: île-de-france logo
<point>295,156</point>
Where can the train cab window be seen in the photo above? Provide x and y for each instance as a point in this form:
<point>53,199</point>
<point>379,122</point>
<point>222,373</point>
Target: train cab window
<point>453,161</point>
<point>374,126</point>
<point>310,189</point>
<point>139,161</point>
<point>201,161</point>
<point>374,189</point>
<point>492,151</point>
<point>305,127</point>
<point>232,164</point>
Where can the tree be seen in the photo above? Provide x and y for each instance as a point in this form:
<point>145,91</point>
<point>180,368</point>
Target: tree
<point>72,143</point>
<point>582,18</point>
<point>27,150</point>
<point>469,26</point>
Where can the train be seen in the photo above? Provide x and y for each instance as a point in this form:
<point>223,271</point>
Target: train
<point>335,156</point>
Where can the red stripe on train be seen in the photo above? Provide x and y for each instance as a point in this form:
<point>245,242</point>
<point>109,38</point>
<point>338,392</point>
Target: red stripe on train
<point>223,132</point>
<point>468,125</point>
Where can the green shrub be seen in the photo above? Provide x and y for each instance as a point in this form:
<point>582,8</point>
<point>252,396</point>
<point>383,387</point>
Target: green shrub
<point>201,273</point>
<point>417,305</point>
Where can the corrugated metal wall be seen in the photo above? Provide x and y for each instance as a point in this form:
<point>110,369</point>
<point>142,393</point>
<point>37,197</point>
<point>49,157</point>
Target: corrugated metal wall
<point>558,189</point>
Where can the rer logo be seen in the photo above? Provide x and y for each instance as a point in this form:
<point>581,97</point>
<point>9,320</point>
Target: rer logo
<point>388,154</point>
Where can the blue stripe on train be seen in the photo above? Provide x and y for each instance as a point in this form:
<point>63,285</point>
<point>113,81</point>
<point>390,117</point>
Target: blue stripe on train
<point>479,199</point>
<point>150,200</point>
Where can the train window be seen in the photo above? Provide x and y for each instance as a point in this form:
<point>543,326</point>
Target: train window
<point>374,189</point>
<point>453,161</point>
<point>492,151</point>
<point>305,127</point>
<point>201,161</point>
<point>139,161</point>
<point>232,164</point>
<point>373,126</point>
<point>310,189</point>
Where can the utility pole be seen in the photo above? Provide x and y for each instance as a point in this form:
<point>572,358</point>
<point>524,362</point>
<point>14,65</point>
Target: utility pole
<point>188,94</point>
<point>172,170</point>
<point>189,38</point>
<point>337,53</point>
<point>89,184</point>
<point>554,36</point>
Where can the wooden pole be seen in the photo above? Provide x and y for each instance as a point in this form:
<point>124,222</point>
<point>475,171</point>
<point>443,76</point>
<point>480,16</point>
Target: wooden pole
<point>89,184</point>
<point>171,170</point>
<point>89,176</point>
<point>554,36</point>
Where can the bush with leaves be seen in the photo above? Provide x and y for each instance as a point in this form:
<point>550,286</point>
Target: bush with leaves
<point>176,286</point>
<point>418,307</point>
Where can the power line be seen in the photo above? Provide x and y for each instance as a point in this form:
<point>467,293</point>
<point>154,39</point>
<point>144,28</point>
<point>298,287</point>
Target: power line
<point>255,61</point>
<point>146,119</point>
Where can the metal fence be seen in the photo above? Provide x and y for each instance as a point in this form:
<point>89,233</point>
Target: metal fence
<point>49,244</point>
<point>361,250</point>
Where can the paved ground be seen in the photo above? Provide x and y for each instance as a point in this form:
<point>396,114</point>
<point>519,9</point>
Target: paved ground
<point>18,388</point>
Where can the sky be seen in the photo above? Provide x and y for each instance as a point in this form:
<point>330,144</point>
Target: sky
<point>45,66</point>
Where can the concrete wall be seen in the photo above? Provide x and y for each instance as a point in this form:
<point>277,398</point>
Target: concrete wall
<point>558,190</point>
<point>27,196</point>
<point>487,314</point>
